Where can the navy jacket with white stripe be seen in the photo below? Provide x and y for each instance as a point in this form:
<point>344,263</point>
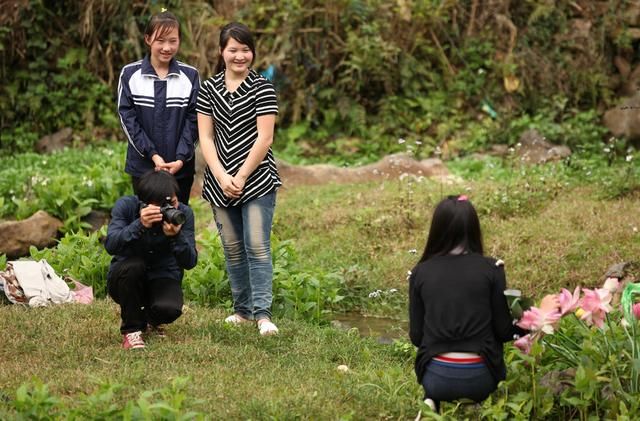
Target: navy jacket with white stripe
<point>159,115</point>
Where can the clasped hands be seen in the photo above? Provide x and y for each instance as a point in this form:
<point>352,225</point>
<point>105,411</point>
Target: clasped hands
<point>171,167</point>
<point>232,186</point>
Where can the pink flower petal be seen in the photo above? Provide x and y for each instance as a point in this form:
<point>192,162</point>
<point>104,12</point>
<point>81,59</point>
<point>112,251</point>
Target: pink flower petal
<point>568,301</point>
<point>524,344</point>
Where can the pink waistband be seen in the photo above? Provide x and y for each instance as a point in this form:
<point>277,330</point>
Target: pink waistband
<point>459,360</point>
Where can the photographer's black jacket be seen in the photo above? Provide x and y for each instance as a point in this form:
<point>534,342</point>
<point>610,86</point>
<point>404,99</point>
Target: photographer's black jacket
<point>166,257</point>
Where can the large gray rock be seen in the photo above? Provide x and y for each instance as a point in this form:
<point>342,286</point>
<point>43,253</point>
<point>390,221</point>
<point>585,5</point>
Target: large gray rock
<point>624,120</point>
<point>55,141</point>
<point>40,230</point>
<point>535,149</point>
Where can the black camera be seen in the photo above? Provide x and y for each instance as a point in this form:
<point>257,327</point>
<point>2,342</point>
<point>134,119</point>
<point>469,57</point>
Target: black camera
<point>169,213</point>
<point>172,215</point>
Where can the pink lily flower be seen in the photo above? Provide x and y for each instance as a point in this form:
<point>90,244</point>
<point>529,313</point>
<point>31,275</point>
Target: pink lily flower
<point>568,301</point>
<point>535,319</point>
<point>595,305</point>
<point>524,344</point>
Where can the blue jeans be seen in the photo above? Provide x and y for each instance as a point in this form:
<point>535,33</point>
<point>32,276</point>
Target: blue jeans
<point>446,383</point>
<point>245,231</point>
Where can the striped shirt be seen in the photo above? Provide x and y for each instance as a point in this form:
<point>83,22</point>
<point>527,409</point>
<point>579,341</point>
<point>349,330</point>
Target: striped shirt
<point>235,131</point>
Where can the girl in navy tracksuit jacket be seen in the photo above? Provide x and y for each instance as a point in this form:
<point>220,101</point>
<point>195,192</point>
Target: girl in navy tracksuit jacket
<point>157,107</point>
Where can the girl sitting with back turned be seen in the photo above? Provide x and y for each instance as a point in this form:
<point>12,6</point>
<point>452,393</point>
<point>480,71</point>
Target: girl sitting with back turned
<point>458,313</point>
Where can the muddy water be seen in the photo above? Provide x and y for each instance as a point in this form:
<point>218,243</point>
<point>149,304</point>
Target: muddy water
<point>384,330</point>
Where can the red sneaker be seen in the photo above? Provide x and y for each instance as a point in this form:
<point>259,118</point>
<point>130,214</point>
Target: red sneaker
<point>132,340</point>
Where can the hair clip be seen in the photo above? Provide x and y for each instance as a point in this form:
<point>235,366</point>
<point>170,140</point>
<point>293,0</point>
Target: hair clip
<point>462,198</point>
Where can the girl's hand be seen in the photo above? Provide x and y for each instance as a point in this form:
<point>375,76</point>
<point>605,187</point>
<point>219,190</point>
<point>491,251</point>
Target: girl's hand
<point>239,181</point>
<point>550,303</point>
<point>172,167</point>
<point>158,161</point>
<point>149,215</point>
<point>228,187</point>
<point>170,230</point>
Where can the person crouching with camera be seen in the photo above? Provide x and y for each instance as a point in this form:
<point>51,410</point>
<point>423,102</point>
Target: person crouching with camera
<point>152,241</point>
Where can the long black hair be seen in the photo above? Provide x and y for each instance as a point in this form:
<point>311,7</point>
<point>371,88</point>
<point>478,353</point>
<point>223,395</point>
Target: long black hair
<point>454,223</point>
<point>240,33</point>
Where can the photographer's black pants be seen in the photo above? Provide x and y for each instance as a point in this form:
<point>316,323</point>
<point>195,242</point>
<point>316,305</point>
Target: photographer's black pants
<point>143,301</point>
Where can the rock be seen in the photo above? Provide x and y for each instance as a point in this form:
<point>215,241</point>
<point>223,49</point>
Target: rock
<point>343,368</point>
<point>392,166</point>
<point>55,142</point>
<point>631,15</point>
<point>96,219</point>
<point>535,149</point>
<point>39,230</point>
<point>557,381</point>
<point>624,120</point>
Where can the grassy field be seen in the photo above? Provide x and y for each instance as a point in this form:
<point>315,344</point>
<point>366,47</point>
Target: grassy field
<point>233,372</point>
<point>552,234</point>
<point>553,230</point>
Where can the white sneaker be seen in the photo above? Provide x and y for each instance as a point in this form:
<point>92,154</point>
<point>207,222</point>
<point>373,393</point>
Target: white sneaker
<point>431,404</point>
<point>267,328</point>
<point>236,319</point>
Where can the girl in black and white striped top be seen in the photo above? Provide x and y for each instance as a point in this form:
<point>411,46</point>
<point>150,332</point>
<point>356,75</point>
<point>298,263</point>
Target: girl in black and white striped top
<point>237,110</point>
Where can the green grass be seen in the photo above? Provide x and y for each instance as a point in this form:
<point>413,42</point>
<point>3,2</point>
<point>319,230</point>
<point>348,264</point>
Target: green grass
<point>233,372</point>
<point>551,228</point>
<point>555,226</point>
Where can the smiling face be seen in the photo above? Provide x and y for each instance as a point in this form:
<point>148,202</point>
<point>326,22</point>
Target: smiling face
<point>237,57</point>
<point>164,44</point>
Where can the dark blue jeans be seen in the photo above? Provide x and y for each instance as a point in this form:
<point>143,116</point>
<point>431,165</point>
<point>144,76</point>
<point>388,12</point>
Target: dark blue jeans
<point>448,383</point>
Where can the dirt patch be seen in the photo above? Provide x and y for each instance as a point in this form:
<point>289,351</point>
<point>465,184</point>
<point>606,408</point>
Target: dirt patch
<point>392,166</point>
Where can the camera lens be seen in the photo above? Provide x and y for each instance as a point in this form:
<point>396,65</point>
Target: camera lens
<point>173,216</point>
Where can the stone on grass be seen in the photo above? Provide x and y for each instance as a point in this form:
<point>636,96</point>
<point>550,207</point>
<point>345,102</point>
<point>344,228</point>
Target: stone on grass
<point>39,230</point>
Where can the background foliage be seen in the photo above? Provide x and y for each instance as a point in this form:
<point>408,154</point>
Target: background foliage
<point>353,75</point>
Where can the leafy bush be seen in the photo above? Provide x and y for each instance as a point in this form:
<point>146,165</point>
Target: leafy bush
<point>67,184</point>
<point>34,401</point>
<point>296,293</point>
<point>353,76</point>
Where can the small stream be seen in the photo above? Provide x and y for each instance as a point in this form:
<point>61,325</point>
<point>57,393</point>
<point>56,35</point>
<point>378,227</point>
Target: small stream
<point>383,329</point>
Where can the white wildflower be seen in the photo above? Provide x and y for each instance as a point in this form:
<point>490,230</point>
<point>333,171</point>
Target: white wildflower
<point>401,141</point>
<point>413,251</point>
<point>392,291</point>
<point>628,158</point>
